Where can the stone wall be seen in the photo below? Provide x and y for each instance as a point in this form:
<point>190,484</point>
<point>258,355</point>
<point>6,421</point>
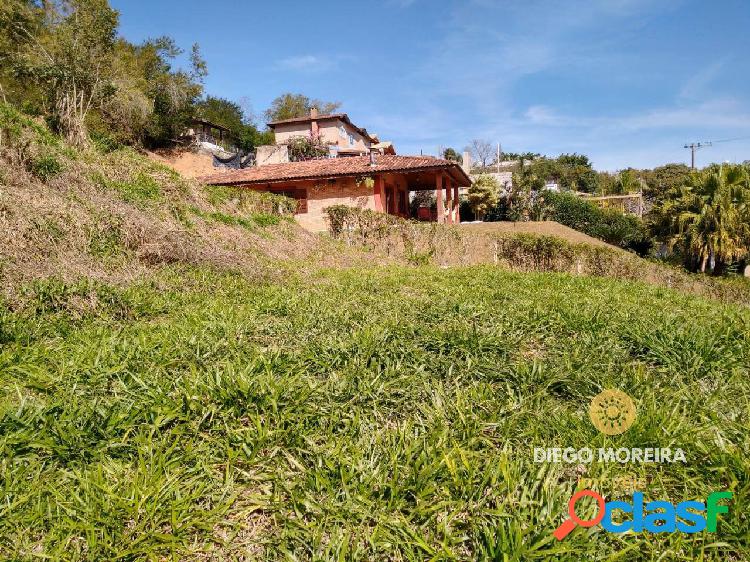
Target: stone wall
<point>271,154</point>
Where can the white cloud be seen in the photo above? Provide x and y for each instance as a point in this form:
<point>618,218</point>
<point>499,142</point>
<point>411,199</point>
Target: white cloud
<point>697,85</point>
<point>312,63</point>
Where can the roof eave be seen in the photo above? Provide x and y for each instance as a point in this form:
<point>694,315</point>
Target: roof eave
<point>245,181</point>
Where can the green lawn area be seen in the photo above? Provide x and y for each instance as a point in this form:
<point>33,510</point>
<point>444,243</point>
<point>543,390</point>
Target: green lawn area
<point>385,413</point>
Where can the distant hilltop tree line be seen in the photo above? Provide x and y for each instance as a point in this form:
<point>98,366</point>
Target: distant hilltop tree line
<point>571,172</point>
<point>63,60</point>
<point>698,217</point>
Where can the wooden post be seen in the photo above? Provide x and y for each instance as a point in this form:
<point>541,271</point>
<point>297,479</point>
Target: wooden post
<point>439,196</point>
<point>379,193</point>
<point>448,200</point>
<point>456,203</point>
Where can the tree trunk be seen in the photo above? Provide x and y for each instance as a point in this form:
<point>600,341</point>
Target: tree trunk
<point>72,119</point>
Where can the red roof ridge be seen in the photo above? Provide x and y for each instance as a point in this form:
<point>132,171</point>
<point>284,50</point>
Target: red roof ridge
<point>334,167</point>
<point>307,118</point>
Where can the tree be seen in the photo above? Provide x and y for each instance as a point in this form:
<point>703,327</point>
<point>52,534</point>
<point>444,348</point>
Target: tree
<point>483,194</point>
<point>70,56</point>
<point>626,182</point>
<point>289,106</point>
<point>222,112</point>
<point>574,173</point>
<point>452,155</point>
<point>662,180</point>
<point>482,152</point>
<point>710,217</point>
<point>20,24</point>
<point>175,92</point>
<point>232,116</point>
<point>510,156</point>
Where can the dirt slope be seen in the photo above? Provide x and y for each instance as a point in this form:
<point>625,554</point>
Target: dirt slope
<point>187,163</point>
<point>546,228</point>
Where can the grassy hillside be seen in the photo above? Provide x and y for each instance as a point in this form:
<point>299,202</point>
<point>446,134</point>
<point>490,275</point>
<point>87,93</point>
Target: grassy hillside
<point>186,374</point>
<point>115,215</point>
<point>369,413</point>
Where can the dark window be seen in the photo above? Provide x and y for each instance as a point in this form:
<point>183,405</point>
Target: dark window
<point>300,195</point>
<point>402,202</point>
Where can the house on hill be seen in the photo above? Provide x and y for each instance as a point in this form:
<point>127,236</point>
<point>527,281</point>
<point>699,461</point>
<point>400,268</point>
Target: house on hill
<point>213,136</point>
<point>380,182</point>
<point>334,130</point>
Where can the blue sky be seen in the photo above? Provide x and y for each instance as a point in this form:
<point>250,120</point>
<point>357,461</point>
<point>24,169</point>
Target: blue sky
<point>627,82</point>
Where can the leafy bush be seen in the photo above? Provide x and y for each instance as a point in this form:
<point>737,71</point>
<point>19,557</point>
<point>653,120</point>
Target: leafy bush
<point>45,167</point>
<point>265,219</point>
<point>104,142</point>
<point>611,226</point>
<point>337,218</point>
<point>306,148</point>
<point>363,224</point>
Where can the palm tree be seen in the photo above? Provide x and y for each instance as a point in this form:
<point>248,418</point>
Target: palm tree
<point>712,220</point>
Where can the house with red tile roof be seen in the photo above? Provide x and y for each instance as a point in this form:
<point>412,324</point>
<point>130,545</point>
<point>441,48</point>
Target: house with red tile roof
<point>380,182</point>
<point>335,130</point>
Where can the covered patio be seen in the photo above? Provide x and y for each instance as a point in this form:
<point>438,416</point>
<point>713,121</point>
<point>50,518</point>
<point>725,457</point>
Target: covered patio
<point>442,182</point>
<point>378,182</point>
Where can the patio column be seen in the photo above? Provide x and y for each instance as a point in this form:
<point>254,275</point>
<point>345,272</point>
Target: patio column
<point>439,196</point>
<point>456,203</point>
<point>379,189</point>
<point>448,199</point>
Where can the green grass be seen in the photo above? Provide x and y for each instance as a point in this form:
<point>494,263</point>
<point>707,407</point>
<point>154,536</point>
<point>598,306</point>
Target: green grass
<point>250,222</point>
<point>362,414</point>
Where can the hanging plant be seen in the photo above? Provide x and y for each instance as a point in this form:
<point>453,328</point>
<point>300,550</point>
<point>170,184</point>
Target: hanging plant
<point>367,181</point>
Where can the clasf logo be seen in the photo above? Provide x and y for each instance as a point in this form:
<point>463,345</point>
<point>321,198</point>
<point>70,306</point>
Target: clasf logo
<point>658,516</point>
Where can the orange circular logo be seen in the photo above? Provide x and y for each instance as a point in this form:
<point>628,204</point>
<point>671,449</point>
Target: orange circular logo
<point>612,412</point>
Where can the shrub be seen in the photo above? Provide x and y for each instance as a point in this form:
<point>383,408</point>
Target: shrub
<point>265,219</point>
<point>306,148</point>
<point>361,225</point>
<point>45,167</point>
<point>337,218</point>
<point>611,226</point>
<point>105,143</point>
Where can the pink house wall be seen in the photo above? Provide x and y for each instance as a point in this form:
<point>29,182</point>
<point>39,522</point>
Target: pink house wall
<point>327,129</point>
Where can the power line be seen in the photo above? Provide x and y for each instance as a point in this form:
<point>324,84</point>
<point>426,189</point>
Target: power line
<point>694,146</point>
<point>734,139</point>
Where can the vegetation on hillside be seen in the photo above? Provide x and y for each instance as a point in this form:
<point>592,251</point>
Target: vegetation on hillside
<point>63,60</point>
<point>200,414</point>
<point>707,219</point>
<point>625,231</point>
<point>113,214</point>
<point>700,217</point>
<point>289,106</point>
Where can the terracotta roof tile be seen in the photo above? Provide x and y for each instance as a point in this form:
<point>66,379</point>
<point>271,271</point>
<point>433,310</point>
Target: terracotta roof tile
<point>308,118</point>
<point>336,167</point>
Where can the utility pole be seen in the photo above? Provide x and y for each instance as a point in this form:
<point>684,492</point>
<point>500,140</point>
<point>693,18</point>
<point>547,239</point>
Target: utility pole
<point>693,146</point>
<point>498,158</point>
